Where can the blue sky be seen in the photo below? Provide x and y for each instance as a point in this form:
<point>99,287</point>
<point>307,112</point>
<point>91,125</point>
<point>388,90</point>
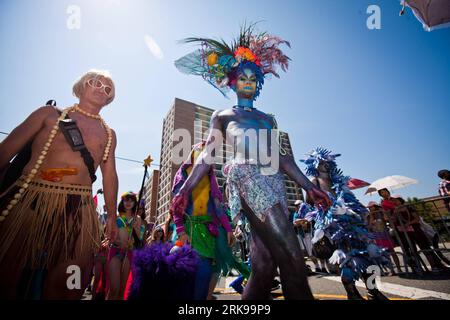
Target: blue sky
<point>378,97</point>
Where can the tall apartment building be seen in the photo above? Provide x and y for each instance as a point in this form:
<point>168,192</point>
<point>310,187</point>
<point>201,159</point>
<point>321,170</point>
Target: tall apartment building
<point>195,119</point>
<point>151,197</point>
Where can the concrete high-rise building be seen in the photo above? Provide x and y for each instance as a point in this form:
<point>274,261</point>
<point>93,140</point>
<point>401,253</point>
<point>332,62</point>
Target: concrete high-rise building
<point>195,119</point>
<point>292,189</point>
<point>151,197</point>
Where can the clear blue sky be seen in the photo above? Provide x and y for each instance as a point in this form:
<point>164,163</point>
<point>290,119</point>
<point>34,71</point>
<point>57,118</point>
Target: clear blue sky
<point>379,97</point>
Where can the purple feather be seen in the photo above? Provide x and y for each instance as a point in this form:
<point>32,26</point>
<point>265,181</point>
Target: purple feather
<point>159,274</point>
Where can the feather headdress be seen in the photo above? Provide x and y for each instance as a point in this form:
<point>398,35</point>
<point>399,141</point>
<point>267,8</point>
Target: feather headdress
<point>220,63</point>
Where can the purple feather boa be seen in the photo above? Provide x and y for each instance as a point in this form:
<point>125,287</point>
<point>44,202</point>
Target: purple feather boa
<point>159,274</point>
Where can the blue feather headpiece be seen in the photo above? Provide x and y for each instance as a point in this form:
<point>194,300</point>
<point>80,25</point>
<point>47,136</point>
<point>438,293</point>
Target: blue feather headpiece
<point>314,158</point>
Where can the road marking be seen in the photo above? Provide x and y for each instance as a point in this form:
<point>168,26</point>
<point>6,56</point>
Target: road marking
<point>317,296</point>
<point>399,290</point>
<point>338,296</point>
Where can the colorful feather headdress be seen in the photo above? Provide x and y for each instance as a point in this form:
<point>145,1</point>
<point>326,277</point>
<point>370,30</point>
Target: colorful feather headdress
<point>219,63</point>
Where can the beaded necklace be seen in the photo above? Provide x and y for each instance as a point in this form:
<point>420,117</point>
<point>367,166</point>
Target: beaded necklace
<point>44,152</point>
<point>107,128</point>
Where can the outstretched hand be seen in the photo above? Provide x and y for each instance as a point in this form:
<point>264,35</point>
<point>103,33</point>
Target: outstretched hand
<point>320,198</point>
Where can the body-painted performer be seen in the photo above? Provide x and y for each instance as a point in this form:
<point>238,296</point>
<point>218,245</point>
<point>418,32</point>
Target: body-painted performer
<point>120,257</point>
<point>202,220</point>
<point>344,223</point>
<point>48,220</point>
<point>254,185</point>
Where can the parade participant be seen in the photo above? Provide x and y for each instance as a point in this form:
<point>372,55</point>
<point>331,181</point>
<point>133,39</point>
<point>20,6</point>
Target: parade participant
<point>255,186</point>
<point>301,226</point>
<point>225,260</point>
<point>48,220</point>
<point>157,236</point>
<point>169,229</point>
<point>201,221</point>
<point>303,229</point>
<point>377,221</point>
<point>100,271</point>
<point>344,221</point>
<point>120,254</point>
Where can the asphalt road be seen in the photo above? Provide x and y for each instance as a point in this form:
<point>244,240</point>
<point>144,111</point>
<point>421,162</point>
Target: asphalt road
<point>329,287</point>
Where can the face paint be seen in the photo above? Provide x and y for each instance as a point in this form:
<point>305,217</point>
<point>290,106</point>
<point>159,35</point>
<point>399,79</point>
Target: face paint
<point>246,84</point>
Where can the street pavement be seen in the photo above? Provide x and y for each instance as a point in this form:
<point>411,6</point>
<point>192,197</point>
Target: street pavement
<point>328,287</point>
<point>324,286</point>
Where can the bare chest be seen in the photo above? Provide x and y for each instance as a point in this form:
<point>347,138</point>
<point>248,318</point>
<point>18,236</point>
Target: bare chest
<point>243,123</point>
<point>91,132</point>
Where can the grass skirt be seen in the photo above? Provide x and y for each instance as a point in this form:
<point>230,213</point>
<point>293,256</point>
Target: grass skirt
<point>51,223</point>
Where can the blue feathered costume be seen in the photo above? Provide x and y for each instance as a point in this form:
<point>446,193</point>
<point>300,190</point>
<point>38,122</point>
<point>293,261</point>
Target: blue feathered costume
<point>344,223</point>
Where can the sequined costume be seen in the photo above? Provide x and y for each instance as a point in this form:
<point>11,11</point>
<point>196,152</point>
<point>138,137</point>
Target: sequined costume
<point>259,191</point>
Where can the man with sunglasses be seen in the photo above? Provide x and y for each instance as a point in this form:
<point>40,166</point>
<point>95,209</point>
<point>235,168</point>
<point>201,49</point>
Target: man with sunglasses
<point>49,228</point>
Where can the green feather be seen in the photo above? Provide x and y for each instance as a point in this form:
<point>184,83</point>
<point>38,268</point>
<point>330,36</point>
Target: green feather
<point>220,47</point>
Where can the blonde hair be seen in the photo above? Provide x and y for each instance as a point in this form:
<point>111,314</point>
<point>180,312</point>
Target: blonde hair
<point>80,84</point>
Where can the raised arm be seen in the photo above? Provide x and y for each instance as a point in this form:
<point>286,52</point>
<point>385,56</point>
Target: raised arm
<point>289,167</point>
<point>314,194</point>
<point>204,160</point>
<point>23,134</point>
<point>110,189</point>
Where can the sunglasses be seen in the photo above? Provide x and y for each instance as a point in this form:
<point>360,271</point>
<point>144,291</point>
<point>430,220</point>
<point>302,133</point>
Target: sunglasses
<point>96,83</point>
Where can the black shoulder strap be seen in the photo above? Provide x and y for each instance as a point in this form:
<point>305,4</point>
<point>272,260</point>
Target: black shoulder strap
<point>74,138</point>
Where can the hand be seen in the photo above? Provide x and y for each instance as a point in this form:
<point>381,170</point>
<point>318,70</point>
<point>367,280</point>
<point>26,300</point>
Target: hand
<point>111,229</point>
<point>320,198</point>
<point>230,238</point>
<point>179,204</point>
<point>183,237</point>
